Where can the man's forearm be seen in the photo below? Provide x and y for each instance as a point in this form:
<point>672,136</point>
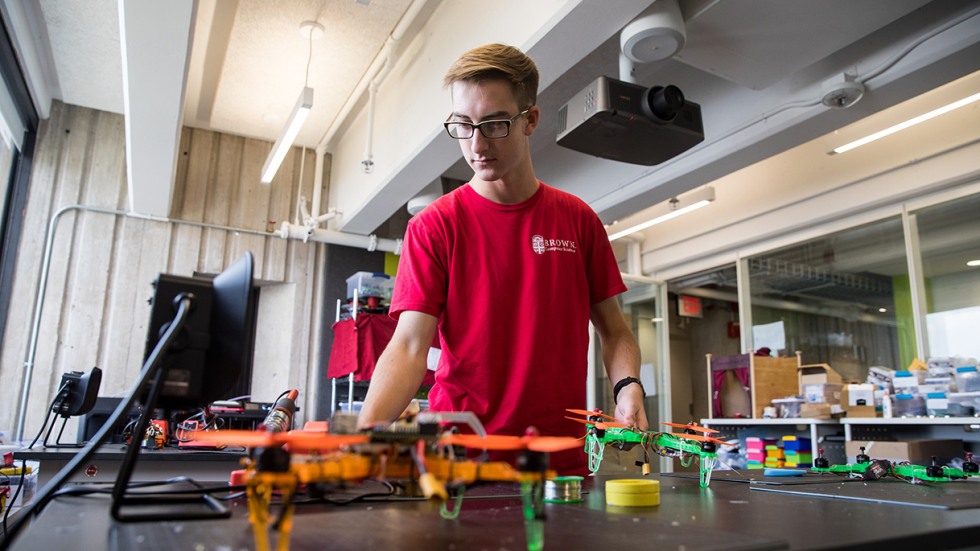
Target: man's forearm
<point>395,381</point>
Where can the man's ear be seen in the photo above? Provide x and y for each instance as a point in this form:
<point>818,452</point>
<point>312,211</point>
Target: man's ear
<point>533,117</point>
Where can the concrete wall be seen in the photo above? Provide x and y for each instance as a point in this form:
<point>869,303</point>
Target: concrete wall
<point>102,264</point>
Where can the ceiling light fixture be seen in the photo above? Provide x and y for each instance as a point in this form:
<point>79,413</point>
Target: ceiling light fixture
<point>670,209</point>
<point>907,124</point>
<point>300,111</point>
<point>973,263</point>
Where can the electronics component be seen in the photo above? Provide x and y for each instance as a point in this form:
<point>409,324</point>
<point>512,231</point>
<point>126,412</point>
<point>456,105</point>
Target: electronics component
<point>280,418</point>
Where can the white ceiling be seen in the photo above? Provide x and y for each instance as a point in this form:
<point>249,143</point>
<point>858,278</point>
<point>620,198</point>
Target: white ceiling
<point>756,67</point>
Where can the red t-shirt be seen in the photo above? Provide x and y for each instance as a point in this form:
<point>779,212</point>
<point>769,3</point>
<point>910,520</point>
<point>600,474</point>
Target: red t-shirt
<point>512,287</point>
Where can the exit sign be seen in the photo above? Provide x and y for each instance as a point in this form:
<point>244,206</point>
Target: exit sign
<point>689,307</point>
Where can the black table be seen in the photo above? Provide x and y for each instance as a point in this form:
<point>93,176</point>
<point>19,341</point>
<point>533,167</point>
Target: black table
<point>727,515</point>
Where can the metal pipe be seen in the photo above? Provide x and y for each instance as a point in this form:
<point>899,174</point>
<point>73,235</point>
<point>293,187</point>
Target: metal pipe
<point>399,31</point>
<point>370,242</point>
<point>319,235</point>
<point>321,152</point>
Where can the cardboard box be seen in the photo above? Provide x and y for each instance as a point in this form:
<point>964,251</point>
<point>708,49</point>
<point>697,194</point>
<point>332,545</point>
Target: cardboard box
<point>860,411</point>
<point>820,411</point>
<point>817,374</point>
<point>858,395</point>
<point>858,400</point>
<point>919,452</point>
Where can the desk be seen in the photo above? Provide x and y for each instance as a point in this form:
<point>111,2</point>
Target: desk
<point>201,465</point>
<point>726,515</point>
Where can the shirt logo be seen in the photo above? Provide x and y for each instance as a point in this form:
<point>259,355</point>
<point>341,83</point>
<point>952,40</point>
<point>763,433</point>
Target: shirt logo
<point>540,245</point>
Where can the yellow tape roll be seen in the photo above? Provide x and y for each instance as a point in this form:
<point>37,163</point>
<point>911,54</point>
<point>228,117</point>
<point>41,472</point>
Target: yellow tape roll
<point>633,493</point>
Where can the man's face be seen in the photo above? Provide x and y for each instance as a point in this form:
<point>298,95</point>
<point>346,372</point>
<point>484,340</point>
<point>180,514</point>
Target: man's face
<point>475,102</point>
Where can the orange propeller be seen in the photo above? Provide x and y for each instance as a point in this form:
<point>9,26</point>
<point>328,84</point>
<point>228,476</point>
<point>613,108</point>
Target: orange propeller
<point>588,413</point>
<point>690,426</point>
<point>259,439</point>
<point>488,442</point>
<point>553,443</point>
<point>699,438</point>
<point>601,425</point>
<point>501,442</point>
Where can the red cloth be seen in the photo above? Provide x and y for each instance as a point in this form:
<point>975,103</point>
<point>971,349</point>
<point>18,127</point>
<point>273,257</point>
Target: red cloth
<point>512,286</point>
<point>357,345</point>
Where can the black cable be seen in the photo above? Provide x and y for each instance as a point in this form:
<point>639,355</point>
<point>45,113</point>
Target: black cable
<point>13,498</point>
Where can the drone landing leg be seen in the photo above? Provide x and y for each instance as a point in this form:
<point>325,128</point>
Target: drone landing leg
<point>595,453</point>
<point>532,494</point>
<point>707,467</point>
<point>260,489</point>
<point>285,524</point>
<point>259,499</point>
<point>444,511</point>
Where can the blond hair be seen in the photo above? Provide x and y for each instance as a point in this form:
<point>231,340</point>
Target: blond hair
<point>495,61</point>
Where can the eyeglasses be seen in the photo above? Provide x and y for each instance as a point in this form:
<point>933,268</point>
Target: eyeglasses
<point>491,129</point>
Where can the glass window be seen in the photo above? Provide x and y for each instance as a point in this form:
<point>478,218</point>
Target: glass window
<point>949,244</point>
<point>7,152</point>
<point>842,299</point>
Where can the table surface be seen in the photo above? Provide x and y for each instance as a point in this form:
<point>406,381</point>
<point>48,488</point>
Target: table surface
<point>726,515</point>
<point>117,451</point>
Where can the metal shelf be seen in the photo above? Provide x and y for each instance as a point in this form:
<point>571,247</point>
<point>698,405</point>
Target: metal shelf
<point>797,421</point>
<point>848,422</point>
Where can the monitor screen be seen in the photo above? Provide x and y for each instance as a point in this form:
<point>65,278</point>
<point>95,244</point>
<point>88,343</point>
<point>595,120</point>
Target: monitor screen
<point>209,355</point>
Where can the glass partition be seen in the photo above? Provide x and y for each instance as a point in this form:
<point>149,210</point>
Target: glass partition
<point>842,299</point>
<point>948,238</point>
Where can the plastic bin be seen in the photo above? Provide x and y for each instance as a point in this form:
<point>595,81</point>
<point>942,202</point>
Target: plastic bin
<point>11,475</point>
<point>967,379</point>
<point>908,405</point>
<point>788,407</point>
<point>370,284</point>
<point>961,403</point>
<point>936,404</point>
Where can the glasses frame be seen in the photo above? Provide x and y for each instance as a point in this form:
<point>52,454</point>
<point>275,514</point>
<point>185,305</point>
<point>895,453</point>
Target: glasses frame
<point>479,125</point>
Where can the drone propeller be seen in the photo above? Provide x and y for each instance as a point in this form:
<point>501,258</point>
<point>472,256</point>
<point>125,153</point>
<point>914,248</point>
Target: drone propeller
<point>601,425</point>
<point>690,426</point>
<point>259,439</point>
<point>699,438</point>
<point>501,442</point>
<point>593,413</point>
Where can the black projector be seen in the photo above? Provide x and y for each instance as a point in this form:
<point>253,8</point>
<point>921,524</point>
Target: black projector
<point>626,122</point>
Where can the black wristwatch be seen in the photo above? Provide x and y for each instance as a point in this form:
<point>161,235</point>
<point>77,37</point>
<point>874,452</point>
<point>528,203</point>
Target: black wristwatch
<point>622,383</point>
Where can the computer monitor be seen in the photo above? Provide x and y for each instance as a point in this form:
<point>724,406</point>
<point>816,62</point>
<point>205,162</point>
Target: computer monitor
<point>210,355</point>
<point>196,350</point>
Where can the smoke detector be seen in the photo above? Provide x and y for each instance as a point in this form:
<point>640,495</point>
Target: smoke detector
<point>841,92</point>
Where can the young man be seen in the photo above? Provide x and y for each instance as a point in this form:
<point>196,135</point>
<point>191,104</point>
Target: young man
<point>509,271</point>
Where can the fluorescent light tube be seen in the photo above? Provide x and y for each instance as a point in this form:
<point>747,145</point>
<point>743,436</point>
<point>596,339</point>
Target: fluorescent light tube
<point>695,200</point>
<point>285,141</point>
<point>909,123</point>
